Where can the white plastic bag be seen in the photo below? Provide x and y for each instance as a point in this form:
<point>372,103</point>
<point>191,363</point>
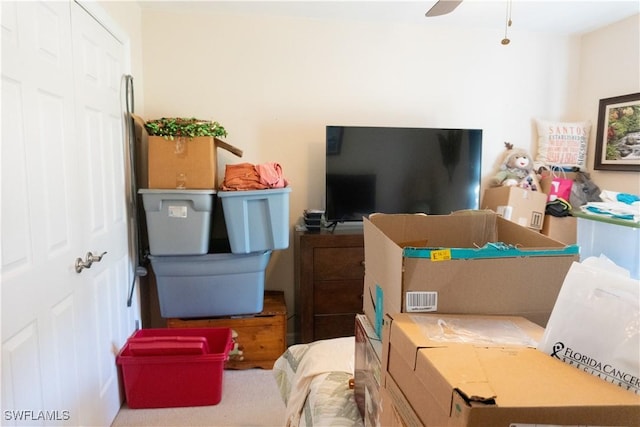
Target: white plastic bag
<point>595,323</point>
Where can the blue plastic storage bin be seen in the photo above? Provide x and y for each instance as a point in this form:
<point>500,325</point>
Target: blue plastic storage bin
<point>178,221</point>
<point>256,220</point>
<point>210,285</point>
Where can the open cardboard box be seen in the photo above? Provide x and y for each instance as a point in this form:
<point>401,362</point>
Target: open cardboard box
<point>188,163</point>
<point>473,262</point>
<point>474,375</point>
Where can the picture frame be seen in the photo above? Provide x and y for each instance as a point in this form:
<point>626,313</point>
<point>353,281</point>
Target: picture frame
<point>618,134</point>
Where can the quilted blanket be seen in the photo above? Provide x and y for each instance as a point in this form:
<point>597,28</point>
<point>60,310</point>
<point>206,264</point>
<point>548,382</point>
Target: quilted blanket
<point>313,380</point>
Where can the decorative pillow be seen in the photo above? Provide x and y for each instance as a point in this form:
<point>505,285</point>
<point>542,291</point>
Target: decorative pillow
<point>562,144</point>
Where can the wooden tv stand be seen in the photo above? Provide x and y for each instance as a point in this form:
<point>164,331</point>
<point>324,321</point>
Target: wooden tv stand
<point>329,283</point>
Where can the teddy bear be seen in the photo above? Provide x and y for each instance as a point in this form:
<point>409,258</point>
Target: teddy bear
<point>237,352</point>
<point>516,170</point>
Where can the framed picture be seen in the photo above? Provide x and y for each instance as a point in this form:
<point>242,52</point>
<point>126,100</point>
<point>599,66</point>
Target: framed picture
<point>618,135</point>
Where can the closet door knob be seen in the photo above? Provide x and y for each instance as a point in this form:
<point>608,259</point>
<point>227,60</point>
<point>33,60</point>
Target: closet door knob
<point>86,263</point>
<point>95,258</point>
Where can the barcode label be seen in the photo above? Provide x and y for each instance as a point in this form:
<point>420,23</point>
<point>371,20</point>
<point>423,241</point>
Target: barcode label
<point>421,302</point>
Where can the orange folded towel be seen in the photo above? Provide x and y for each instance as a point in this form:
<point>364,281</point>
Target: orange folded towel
<point>246,176</point>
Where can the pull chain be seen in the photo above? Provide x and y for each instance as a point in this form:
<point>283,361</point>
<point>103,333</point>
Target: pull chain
<point>505,41</point>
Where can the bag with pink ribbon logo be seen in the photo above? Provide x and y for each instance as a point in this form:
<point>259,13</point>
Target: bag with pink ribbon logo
<point>595,323</point>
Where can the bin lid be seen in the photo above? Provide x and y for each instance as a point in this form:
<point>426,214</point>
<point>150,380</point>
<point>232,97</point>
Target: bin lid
<point>173,191</point>
<point>604,218</point>
<point>250,193</point>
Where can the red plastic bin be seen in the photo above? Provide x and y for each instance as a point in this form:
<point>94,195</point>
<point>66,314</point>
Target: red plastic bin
<point>174,367</point>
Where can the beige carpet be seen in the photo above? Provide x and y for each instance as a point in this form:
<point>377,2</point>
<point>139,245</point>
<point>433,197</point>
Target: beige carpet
<point>250,398</point>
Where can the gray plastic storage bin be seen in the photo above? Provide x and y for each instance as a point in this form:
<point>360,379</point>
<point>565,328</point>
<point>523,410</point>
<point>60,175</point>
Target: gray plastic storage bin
<point>178,221</point>
<point>256,220</point>
<point>210,285</point>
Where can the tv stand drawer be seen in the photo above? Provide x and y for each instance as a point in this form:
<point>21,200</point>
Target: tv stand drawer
<point>338,263</point>
<point>329,283</point>
<point>337,296</point>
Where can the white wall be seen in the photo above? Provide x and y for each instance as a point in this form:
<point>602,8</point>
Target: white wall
<point>275,82</point>
<point>609,67</point>
<point>129,17</point>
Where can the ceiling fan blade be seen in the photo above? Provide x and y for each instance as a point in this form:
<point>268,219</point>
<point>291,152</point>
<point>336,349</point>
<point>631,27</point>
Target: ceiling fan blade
<point>442,7</point>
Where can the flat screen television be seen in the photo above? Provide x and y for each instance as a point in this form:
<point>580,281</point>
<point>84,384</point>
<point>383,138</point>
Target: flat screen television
<point>400,170</point>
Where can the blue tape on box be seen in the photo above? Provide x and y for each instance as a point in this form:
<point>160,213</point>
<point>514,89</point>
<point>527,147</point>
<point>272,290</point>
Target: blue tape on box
<point>490,250</point>
<point>379,310</point>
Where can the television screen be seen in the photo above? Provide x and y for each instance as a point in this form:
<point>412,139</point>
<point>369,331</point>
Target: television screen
<point>400,170</point>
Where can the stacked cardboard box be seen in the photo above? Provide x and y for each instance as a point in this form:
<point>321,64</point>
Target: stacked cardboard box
<point>183,163</point>
<point>368,373</point>
<point>427,275</point>
<point>467,371</point>
<point>528,208</point>
<point>524,207</point>
<point>472,262</point>
<point>561,228</point>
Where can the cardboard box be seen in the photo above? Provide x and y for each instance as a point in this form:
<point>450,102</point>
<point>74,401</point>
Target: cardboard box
<point>490,377</point>
<point>521,206</point>
<point>141,152</point>
<point>368,354</point>
<point>182,163</point>
<point>457,269</point>
<point>395,410</point>
<point>189,163</point>
<point>563,229</point>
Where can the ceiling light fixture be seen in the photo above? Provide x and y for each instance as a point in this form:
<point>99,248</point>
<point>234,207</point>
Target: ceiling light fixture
<point>505,41</point>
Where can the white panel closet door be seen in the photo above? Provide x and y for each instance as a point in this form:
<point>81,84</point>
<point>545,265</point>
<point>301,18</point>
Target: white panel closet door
<point>98,68</point>
<point>63,195</point>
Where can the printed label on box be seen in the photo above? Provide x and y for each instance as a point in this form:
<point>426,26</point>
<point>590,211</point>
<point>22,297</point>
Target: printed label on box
<point>177,211</point>
<point>504,211</point>
<point>537,218</point>
<point>441,255</point>
<point>421,302</point>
